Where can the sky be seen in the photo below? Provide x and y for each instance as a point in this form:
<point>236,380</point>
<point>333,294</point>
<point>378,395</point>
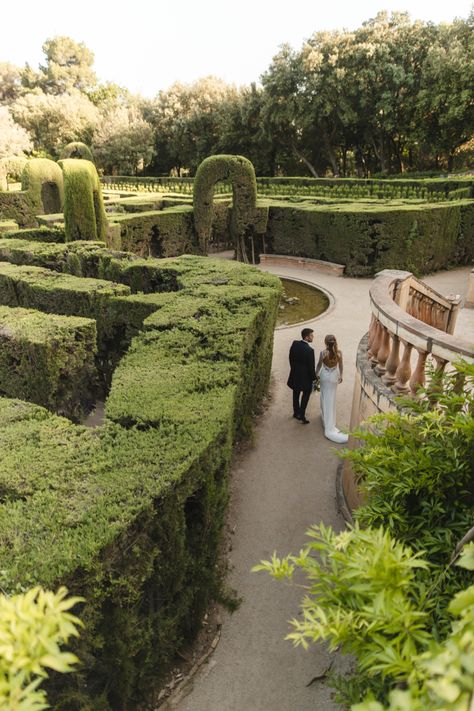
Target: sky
<point>146,45</point>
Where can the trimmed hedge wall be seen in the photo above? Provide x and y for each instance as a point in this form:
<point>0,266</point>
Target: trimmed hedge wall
<point>430,189</point>
<point>37,234</point>
<point>129,515</point>
<point>163,233</point>
<point>368,238</point>
<point>48,360</point>
<point>19,206</point>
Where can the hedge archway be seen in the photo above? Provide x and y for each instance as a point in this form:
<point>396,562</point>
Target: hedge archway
<point>77,149</point>
<point>43,180</point>
<point>241,174</point>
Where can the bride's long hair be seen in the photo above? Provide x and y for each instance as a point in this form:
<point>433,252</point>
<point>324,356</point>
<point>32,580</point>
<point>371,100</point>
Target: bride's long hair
<point>331,357</point>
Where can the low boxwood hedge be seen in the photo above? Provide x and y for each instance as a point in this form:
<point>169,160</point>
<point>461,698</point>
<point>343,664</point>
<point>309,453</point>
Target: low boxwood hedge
<point>129,515</point>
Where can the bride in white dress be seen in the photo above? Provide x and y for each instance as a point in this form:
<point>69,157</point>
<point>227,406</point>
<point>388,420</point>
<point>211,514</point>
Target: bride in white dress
<point>329,370</point>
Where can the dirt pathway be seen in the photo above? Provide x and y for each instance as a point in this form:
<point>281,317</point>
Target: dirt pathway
<point>281,486</point>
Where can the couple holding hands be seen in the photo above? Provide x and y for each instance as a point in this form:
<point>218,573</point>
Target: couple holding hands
<point>305,377</point>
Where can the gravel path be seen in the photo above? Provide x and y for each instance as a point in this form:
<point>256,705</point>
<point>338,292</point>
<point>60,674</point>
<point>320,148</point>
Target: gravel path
<point>280,486</point>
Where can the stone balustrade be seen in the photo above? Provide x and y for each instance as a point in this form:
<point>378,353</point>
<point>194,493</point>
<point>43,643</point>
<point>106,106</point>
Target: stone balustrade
<point>411,325</point>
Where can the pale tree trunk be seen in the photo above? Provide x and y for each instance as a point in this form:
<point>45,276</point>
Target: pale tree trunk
<point>331,154</point>
<point>309,165</point>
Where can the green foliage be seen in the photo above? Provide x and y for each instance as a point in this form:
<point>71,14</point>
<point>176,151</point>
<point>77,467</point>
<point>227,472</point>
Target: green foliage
<point>84,214</point>
<point>135,525</point>
<point>442,678</point>
<point>48,359</point>
<point>423,493</point>
<point>11,168</point>
<point>43,180</point>
<point>77,149</point>
<point>36,234</point>
<point>19,206</point>
<point>361,596</point>
<point>370,237</point>
<point>241,174</point>
<point>33,625</point>
<point>384,595</point>
<point>163,233</point>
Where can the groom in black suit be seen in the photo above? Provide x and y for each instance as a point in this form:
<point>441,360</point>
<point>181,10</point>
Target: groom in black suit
<point>302,373</point>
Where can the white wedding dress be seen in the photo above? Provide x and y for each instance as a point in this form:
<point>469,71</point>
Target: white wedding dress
<point>328,379</point>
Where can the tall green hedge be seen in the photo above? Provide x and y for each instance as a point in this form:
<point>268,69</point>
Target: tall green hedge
<point>48,359</point>
<point>43,180</point>
<point>84,214</point>
<point>130,515</point>
<point>240,172</point>
<point>368,238</point>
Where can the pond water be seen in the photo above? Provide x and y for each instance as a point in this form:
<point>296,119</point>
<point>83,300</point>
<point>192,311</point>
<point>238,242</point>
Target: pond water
<point>300,302</point>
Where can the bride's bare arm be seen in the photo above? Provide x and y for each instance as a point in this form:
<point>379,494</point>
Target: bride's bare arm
<point>341,366</point>
<point>320,362</point>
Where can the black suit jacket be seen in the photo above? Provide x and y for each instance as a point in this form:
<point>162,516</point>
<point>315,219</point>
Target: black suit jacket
<point>302,366</point>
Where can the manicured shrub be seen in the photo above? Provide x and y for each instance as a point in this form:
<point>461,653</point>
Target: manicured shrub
<point>11,167</point>
<point>36,234</point>
<point>20,207</point>
<point>43,180</point>
<point>240,172</point>
<point>134,525</point>
<point>368,238</point>
<point>84,214</point>
<point>77,149</point>
<point>163,233</point>
<point>48,359</point>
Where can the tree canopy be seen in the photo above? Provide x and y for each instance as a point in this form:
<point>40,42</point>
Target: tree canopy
<point>394,95</point>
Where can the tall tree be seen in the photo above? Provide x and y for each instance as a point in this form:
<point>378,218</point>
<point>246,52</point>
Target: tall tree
<point>68,66</point>
<point>54,120</point>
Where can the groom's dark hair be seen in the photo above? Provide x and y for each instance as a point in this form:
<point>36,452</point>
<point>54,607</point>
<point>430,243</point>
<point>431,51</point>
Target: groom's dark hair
<point>305,332</point>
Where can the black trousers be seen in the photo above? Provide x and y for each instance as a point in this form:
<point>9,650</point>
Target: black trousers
<point>299,407</point>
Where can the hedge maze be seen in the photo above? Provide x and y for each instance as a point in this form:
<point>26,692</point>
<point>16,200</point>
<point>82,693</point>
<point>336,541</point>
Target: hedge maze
<point>367,225</point>
<point>129,514</point>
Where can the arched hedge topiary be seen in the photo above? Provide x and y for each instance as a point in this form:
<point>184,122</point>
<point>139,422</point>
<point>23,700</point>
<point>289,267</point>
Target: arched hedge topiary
<point>241,174</point>
<point>43,180</point>
<point>84,214</point>
<point>11,167</point>
<point>77,149</point>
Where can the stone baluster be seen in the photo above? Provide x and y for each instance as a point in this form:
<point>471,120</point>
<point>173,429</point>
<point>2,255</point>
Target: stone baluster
<point>435,388</point>
<point>376,342</point>
<point>392,362</point>
<point>403,372</point>
<point>383,351</point>
<point>417,379</point>
<point>371,332</point>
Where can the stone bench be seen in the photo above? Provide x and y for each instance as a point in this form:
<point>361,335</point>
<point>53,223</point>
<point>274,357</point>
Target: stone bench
<point>303,263</point>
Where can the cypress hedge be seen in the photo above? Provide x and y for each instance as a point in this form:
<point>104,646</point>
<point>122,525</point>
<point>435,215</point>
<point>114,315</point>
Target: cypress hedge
<point>240,172</point>
<point>43,180</point>
<point>48,359</point>
<point>367,238</point>
<point>84,214</point>
<point>130,515</point>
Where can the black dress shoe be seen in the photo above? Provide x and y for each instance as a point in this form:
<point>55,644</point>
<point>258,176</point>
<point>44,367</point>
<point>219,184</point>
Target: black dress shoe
<point>297,417</point>
<point>304,420</point>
